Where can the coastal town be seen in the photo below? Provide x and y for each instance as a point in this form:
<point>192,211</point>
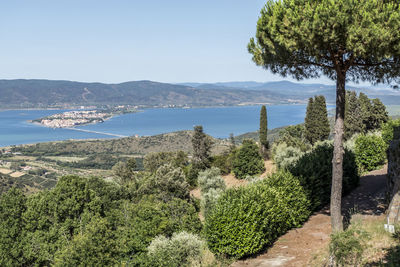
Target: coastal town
<point>82,117</point>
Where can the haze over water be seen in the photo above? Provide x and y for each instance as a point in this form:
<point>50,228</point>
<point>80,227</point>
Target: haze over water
<point>218,122</point>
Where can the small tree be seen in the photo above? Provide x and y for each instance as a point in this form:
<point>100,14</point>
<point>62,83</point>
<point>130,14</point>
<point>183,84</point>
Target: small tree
<point>264,145</point>
<point>248,160</point>
<point>379,114</point>
<point>344,40</point>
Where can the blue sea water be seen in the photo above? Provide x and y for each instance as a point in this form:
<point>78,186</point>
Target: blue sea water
<point>218,122</point>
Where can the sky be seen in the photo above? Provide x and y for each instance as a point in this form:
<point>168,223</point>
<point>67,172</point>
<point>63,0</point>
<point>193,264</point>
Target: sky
<point>125,40</point>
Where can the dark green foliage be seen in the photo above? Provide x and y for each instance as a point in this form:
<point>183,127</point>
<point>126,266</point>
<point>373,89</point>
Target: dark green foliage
<point>387,130</point>
<point>264,144</point>
<point>248,160</point>
<point>314,170</point>
<point>366,109</point>
<point>309,122</point>
<point>201,148</point>
<point>232,143</point>
<point>98,161</point>
<point>192,172</point>
<point>293,136</point>
<point>247,219</point>
<point>370,151</point>
<point>223,162</point>
<point>354,118</point>
<point>12,207</point>
<point>92,222</point>
<point>316,122</point>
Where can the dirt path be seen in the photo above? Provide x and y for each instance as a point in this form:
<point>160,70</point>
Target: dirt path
<point>297,247</point>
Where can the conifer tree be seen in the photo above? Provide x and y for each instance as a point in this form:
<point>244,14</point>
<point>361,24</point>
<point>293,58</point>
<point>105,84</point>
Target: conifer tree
<point>232,144</point>
<point>264,146</point>
<point>353,118</point>
<point>366,109</point>
<point>321,118</point>
<point>201,148</point>
<point>309,122</point>
<point>379,114</point>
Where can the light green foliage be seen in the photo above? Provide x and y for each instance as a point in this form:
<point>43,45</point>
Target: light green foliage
<point>370,151</point>
<point>285,156</point>
<point>182,249</point>
<point>314,171</point>
<point>264,145</point>
<point>348,246</point>
<point>248,160</point>
<point>211,185</point>
<point>211,179</point>
<point>246,219</point>
<point>153,161</point>
<point>387,130</point>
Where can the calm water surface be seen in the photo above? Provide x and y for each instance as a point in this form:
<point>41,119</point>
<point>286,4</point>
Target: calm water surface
<point>218,122</point>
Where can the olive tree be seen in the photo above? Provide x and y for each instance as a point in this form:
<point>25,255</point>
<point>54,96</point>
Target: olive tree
<point>345,40</point>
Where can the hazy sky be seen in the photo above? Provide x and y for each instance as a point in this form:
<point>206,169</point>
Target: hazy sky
<point>116,40</point>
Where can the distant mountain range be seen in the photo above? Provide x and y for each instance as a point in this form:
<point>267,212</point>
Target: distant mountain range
<point>50,93</point>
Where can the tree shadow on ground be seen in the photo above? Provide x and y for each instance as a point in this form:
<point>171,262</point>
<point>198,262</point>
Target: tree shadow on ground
<point>391,258</point>
<point>368,198</point>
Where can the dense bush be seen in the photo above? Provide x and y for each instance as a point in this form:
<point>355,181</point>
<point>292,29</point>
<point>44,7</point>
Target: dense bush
<point>246,219</point>
<point>285,156</point>
<point>314,171</point>
<point>248,160</point>
<point>370,151</point>
<point>182,249</point>
<point>153,161</point>
<point>387,130</point>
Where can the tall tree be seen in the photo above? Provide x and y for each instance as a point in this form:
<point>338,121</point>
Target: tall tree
<point>316,122</point>
<point>321,118</point>
<point>366,109</point>
<point>309,122</point>
<point>344,40</point>
<point>263,132</point>
<point>201,148</point>
<point>353,118</point>
<point>378,113</point>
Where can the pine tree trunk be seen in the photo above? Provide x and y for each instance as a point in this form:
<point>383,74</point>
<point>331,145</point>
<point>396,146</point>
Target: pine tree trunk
<point>338,151</point>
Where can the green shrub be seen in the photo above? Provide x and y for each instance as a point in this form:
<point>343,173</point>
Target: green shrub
<point>285,156</point>
<point>223,162</point>
<point>314,171</point>
<point>182,249</point>
<point>387,130</point>
<point>248,160</point>
<point>348,246</point>
<point>246,219</point>
<point>370,152</point>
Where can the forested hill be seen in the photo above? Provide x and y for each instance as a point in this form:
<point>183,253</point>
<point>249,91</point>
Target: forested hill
<point>49,93</point>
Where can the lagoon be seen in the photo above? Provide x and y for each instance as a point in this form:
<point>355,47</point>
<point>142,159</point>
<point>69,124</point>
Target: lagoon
<point>218,122</point>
